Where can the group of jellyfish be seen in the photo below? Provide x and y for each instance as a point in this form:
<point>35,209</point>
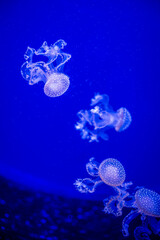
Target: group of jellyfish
<point>93,125</point>
<point>142,202</point>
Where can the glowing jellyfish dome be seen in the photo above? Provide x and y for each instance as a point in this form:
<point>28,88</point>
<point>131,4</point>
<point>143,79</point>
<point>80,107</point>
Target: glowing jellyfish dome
<point>124,119</point>
<point>57,84</point>
<point>112,172</point>
<point>148,202</point>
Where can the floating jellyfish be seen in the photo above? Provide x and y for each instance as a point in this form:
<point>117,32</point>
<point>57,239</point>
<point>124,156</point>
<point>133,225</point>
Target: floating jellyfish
<point>146,203</point>
<point>50,72</point>
<point>94,123</point>
<point>143,201</point>
<point>112,173</point>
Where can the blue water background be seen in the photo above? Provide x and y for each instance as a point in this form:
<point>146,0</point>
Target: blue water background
<point>115,48</point>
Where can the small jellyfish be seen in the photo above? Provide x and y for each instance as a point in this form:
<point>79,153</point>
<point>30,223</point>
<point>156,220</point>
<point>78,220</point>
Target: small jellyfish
<point>112,173</point>
<point>95,122</point>
<point>56,85</point>
<point>50,72</point>
<point>147,203</point>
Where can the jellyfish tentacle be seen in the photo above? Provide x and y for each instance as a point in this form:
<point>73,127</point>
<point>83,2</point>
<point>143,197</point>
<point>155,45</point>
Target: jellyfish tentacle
<point>87,185</point>
<point>142,233</point>
<point>101,120</point>
<point>92,167</point>
<point>100,100</point>
<point>115,204</point>
<point>29,54</point>
<point>155,225</point>
<point>65,58</point>
<point>43,50</point>
<point>129,203</point>
<point>127,185</point>
<point>60,44</point>
<point>126,221</point>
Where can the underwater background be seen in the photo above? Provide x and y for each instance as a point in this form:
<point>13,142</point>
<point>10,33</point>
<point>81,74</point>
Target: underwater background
<point>115,48</point>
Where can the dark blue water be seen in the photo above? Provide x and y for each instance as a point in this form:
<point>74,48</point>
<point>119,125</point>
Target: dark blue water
<point>115,50</point>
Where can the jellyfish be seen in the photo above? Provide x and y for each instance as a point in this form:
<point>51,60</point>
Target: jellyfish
<point>94,123</point>
<point>147,203</point>
<point>56,83</point>
<point>112,173</point>
<point>142,201</point>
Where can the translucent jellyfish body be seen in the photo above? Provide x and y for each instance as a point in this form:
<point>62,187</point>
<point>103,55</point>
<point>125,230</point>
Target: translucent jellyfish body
<point>56,85</point>
<point>50,72</point>
<point>94,123</point>
<point>112,173</point>
<point>143,202</point>
<point>146,203</point>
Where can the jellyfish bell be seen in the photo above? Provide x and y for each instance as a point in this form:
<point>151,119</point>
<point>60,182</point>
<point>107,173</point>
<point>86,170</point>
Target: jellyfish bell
<point>112,172</point>
<point>56,85</point>
<point>148,202</point>
<point>124,119</point>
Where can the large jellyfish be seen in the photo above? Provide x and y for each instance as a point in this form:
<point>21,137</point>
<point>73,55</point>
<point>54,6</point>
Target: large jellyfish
<point>94,123</point>
<point>50,72</point>
<point>142,202</point>
<point>147,203</point>
<point>112,173</point>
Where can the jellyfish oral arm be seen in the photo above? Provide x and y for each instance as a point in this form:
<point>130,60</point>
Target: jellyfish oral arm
<point>65,58</point>
<point>115,204</point>
<point>87,185</point>
<point>126,221</point>
<point>37,75</point>
<point>92,167</point>
<point>155,225</point>
<point>29,54</point>
<point>141,232</point>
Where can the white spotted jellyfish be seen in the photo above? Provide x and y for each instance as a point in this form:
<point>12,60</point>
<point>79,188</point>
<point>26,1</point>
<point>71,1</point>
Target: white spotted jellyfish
<point>147,203</point>
<point>112,173</point>
<point>143,202</point>
<point>94,123</point>
<point>50,72</point>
